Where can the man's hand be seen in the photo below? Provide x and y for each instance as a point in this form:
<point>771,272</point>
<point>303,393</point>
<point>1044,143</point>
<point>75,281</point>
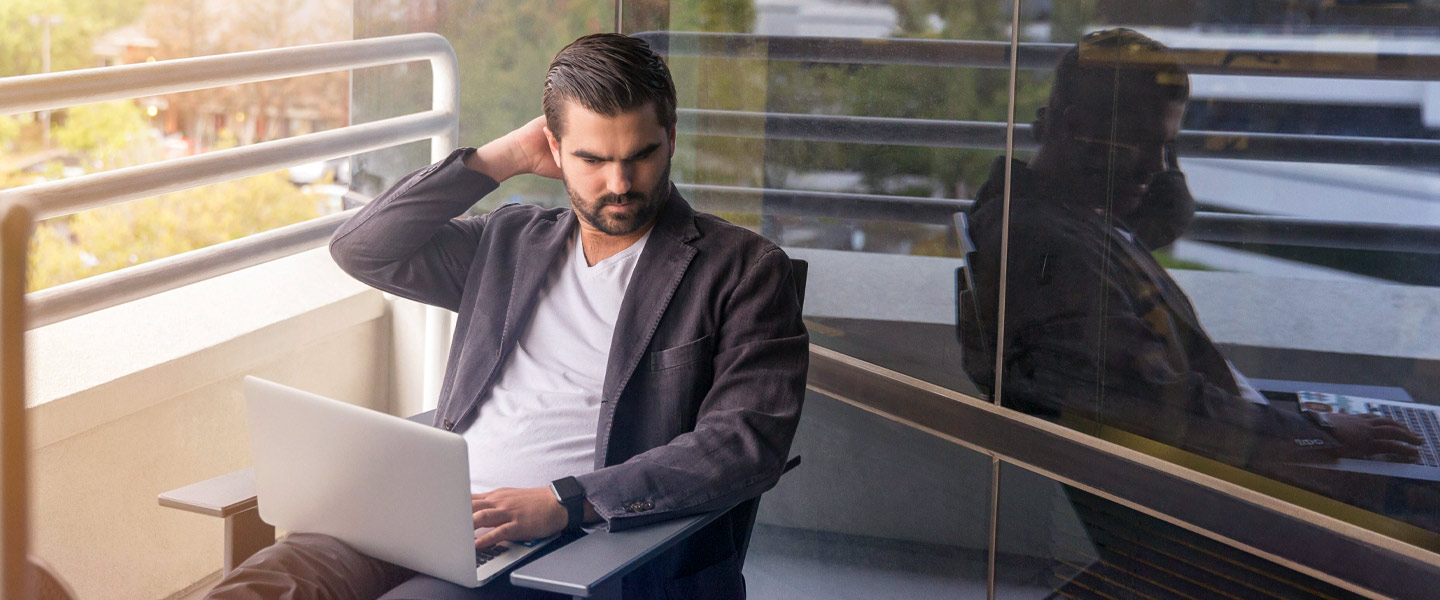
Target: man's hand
<point>525,150</point>
<point>517,515</point>
<point>1369,435</point>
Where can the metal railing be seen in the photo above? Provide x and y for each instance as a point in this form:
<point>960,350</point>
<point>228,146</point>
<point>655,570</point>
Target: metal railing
<point>58,198</point>
<point>21,207</point>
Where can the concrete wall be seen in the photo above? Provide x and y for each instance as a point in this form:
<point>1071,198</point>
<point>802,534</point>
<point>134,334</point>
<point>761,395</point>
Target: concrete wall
<point>864,474</point>
<point>146,397</point>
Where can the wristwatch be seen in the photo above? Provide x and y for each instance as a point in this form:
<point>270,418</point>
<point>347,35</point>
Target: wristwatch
<point>571,496</point>
<point>1320,420</point>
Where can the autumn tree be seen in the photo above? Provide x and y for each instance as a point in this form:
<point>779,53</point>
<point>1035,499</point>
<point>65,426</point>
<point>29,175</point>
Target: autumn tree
<point>105,239</point>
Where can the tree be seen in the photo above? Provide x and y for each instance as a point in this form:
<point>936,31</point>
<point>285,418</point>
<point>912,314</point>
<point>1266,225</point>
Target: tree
<point>187,28</point>
<point>20,51</point>
<point>108,133</point>
<point>9,130</point>
<point>504,49</point>
<point>105,239</point>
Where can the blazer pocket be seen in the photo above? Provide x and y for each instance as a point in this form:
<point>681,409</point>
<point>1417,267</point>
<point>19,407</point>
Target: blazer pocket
<point>684,354</point>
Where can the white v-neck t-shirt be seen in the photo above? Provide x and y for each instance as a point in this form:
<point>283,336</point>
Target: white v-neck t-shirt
<point>538,422</point>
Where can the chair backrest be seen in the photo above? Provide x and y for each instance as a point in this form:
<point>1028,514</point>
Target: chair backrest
<point>967,293</point>
<point>965,289</point>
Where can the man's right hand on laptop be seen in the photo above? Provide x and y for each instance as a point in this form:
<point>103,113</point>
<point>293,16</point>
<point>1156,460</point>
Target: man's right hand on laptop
<point>517,515</point>
<point>1367,435</point>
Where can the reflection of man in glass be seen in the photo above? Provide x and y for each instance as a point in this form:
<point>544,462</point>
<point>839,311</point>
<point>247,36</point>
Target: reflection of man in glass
<point>1095,328</point>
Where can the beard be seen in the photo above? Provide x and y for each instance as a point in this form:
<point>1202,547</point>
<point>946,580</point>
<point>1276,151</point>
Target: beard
<point>647,204</point>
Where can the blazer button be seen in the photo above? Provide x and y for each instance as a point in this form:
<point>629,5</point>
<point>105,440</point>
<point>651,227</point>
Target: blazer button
<point>646,506</point>
<point>449,426</point>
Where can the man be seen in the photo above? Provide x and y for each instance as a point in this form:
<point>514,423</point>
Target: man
<point>653,354</point>
<point>1095,328</point>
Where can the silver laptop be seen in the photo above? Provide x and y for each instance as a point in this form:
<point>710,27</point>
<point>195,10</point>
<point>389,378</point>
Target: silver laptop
<point>393,489</point>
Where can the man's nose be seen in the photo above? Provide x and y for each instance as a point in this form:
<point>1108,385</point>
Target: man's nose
<point>617,180</point>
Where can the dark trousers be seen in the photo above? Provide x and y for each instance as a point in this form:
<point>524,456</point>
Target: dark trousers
<point>309,566</point>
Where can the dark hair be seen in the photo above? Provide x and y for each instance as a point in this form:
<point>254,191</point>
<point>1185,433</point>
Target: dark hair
<point>1116,65</point>
<point>608,73</point>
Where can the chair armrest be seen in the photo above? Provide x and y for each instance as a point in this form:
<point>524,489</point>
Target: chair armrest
<point>231,493</point>
<point>600,559</point>
<point>592,566</point>
<point>222,496</point>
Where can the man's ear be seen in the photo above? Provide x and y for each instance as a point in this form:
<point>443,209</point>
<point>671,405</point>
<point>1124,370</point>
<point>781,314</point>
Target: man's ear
<point>554,144</point>
<point>671,134</point>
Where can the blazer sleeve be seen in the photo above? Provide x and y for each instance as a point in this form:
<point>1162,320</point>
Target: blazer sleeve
<point>410,241</point>
<point>746,420</point>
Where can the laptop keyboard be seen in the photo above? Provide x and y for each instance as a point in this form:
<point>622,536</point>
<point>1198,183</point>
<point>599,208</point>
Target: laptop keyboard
<point>484,555</point>
<point>1423,423</point>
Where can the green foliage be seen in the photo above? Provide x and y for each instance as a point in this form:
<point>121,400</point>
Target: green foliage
<point>1070,18</point>
<point>106,239</point>
<point>9,130</point>
<point>505,49</point>
<point>70,40</point>
<point>1167,259</point>
<point>898,91</point>
<point>102,131</point>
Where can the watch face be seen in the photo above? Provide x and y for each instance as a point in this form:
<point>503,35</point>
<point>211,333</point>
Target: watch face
<point>567,490</point>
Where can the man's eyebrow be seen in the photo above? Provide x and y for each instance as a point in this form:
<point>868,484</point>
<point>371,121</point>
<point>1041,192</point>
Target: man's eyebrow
<point>641,153</point>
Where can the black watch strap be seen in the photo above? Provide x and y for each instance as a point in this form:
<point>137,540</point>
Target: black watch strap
<point>570,495</point>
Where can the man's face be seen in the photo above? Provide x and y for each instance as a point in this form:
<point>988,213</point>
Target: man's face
<point>1113,166</point>
<point>616,169</point>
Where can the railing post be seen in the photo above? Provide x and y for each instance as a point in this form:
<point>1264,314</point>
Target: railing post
<point>16,223</point>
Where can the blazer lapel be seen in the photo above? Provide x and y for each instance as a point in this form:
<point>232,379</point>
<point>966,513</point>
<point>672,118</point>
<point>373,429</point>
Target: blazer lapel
<point>658,273</point>
<point>540,248</point>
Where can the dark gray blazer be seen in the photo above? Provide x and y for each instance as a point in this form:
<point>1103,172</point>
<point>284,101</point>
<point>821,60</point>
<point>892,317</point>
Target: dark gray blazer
<point>706,370</point>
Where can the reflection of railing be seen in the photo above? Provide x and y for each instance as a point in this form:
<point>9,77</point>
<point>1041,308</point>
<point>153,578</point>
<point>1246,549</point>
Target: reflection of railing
<point>1348,150</point>
<point>21,207</point>
<point>1207,226</point>
<point>1218,227</point>
<point>1033,56</point>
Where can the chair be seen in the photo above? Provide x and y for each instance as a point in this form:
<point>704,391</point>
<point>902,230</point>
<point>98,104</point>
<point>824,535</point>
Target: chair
<point>590,567</point>
<point>966,291</point>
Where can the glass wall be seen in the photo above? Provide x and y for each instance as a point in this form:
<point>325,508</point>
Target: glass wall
<point>503,50</point>
<point>792,123</point>
<point>1219,250</point>
<point>1222,249</point>
<point>1214,243</point>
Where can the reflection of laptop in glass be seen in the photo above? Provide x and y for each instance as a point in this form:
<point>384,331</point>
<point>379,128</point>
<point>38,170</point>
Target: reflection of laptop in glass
<point>393,489</point>
<point>1421,419</point>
